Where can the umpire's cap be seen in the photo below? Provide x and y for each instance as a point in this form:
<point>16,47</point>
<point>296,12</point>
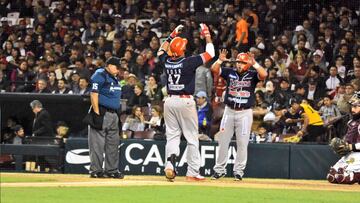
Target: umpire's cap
<point>113,61</point>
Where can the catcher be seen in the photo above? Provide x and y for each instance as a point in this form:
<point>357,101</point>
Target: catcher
<point>347,169</point>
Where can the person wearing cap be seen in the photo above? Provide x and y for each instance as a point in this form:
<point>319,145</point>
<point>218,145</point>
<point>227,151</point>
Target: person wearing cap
<point>103,121</point>
<point>204,112</point>
<point>312,129</point>
<point>347,169</point>
<point>128,88</point>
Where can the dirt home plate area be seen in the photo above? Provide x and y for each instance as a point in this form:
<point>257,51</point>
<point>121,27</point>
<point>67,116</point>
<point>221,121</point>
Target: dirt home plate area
<point>64,180</point>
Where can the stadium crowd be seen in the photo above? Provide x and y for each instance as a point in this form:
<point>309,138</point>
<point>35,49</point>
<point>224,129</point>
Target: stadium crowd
<point>311,50</point>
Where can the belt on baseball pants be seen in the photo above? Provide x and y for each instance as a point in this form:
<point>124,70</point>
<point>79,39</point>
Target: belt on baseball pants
<point>238,108</point>
<point>108,109</point>
<point>182,96</point>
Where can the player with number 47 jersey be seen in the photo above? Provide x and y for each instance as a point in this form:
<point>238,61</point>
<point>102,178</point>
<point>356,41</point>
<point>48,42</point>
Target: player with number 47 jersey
<point>179,108</point>
<point>238,116</point>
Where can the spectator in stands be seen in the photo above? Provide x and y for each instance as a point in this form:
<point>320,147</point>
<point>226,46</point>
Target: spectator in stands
<point>84,88</point>
<point>242,32</point>
<point>156,121</point>
<point>138,98</point>
<point>92,33</point>
<point>61,88</point>
<point>299,93</point>
<point>328,111</point>
<point>204,81</point>
<point>341,69</point>
<point>41,86</point>
<point>20,77</point>
<point>291,120</point>
<point>42,125</point>
<point>4,83</point>
<point>313,94</point>
<point>128,88</point>
<point>153,90</point>
<point>109,31</point>
<point>204,111</point>
<point>52,82</point>
<point>333,81</point>
<point>81,69</point>
<point>343,103</point>
<point>74,81</point>
<point>129,10</point>
<point>135,121</point>
<point>299,67</point>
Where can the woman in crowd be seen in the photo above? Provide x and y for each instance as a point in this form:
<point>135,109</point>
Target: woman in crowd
<point>153,90</point>
<point>135,121</point>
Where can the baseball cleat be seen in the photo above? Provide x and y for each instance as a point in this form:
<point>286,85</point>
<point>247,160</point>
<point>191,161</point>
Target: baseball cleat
<point>216,176</point>
<point>237,177</point>
<point>195,178</point>
<point>116,175</point>
<point>170,174</point>
<point>97,175</point>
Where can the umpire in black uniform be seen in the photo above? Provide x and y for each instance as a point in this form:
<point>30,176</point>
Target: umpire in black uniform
<point>103,121</point>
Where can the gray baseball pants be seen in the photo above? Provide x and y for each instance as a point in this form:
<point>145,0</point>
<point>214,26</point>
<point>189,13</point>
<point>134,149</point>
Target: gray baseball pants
<point>181,118</point>
<point>105,141</point>
<point>239,122</point>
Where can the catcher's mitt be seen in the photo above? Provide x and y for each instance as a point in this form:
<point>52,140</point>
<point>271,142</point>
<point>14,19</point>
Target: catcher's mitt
<point>340,146</point>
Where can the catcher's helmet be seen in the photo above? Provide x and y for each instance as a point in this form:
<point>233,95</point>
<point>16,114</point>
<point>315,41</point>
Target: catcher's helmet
<point>355,99</point>
<point>178,46</point>
<point>243,58</point>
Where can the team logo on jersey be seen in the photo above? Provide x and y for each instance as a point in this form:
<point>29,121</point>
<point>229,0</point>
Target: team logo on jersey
<point>350,161</point>
<point>236,84</point>
<point>235,93</point>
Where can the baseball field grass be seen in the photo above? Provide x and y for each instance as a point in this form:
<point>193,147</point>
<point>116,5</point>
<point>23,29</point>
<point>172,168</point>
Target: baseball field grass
<point>16,187</point>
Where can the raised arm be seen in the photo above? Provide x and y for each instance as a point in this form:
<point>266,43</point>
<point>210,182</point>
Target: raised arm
<point>209,49</point>
<point>215,68</point>
<point>165,45</point>
<point>261,71</point>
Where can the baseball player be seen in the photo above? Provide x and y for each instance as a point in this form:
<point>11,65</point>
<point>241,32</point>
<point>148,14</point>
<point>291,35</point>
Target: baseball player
<point>347,169</point>
<point>238,115</point>
<point>179,108</point>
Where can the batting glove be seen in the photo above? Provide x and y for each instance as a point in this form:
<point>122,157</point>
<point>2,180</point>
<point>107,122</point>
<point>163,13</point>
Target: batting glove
<point>176,31</point>
<point>204,30</point>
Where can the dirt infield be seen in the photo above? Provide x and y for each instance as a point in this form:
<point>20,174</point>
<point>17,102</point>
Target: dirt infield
<point>65,180</point>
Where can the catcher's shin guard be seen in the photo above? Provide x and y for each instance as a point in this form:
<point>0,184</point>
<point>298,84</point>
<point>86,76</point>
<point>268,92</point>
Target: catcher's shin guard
<point>347,178</point>
<point>170,173</point>
<point>331,175</point>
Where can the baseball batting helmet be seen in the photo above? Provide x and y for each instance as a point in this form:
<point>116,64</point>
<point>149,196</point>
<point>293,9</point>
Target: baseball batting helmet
<point>355,99</point>
<point>243,58</point>
<point>178,46</point>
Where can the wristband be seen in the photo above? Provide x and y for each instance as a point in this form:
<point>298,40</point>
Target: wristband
<point>169,39</point>
<point>219,61</point>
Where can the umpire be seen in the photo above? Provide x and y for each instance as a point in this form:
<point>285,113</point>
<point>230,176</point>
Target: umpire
<point>103,122</point>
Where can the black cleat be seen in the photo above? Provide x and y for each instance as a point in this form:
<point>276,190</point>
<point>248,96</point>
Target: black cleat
<point>216,176</point>
<point>237,177</point>
<point>116,175</point>
<point>97,175</point>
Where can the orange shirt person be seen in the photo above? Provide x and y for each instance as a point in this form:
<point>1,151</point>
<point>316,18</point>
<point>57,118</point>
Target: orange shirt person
<point>242,33</point>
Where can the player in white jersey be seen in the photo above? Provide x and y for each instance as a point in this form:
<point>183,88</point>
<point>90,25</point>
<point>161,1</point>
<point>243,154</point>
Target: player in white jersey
<point>347,169</point>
